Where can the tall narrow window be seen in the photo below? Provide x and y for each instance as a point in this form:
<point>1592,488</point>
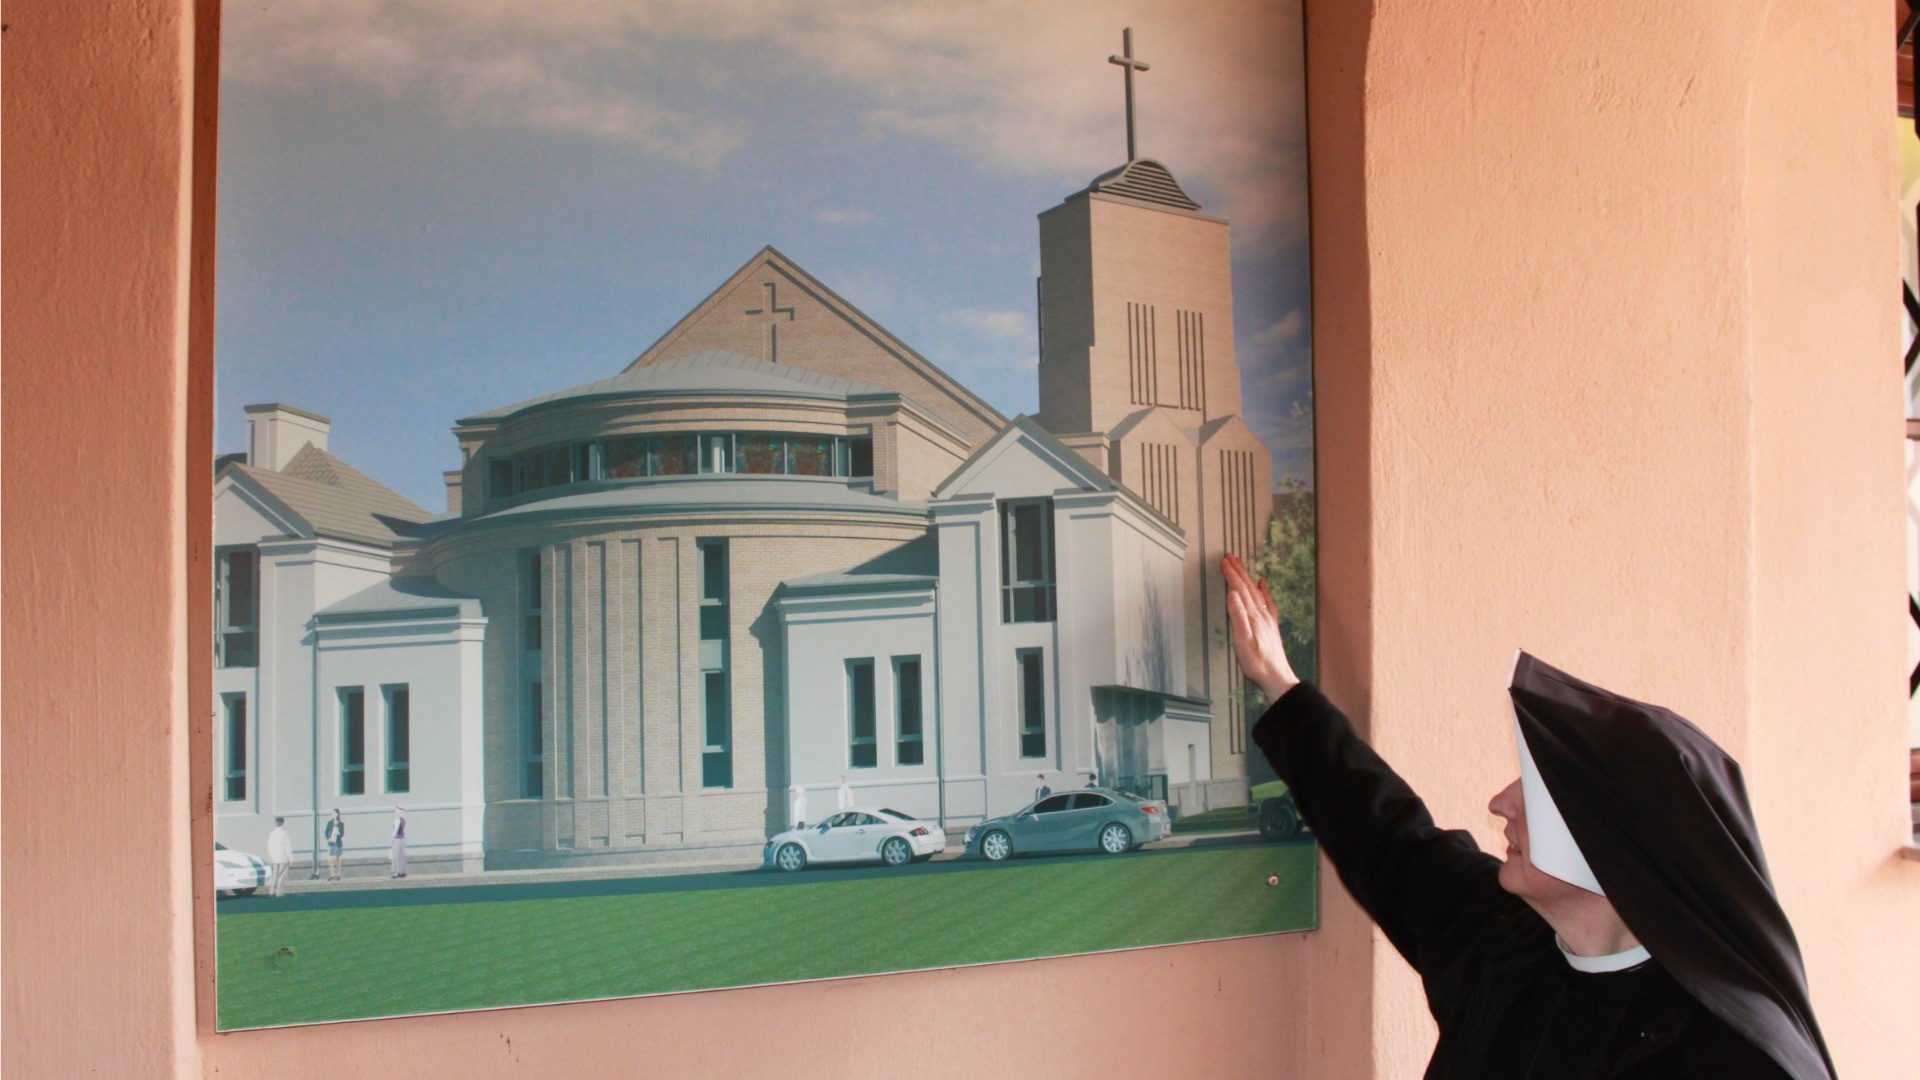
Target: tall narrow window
<point>532,783</point>
<point>236,608</point>
<point>1033,702</point>
<point>911,749</point>
<point>399,738</point>
<point>713,590</point>
<point>1026,560</point>
<point>860,456</point>
<point>716,757</point>
<point>236,742</point>
<point>862,753</point>
<point>353,741</point>
<point>532,601</point>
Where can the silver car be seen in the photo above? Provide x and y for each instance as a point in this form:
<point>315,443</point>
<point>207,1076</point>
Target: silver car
<point>1090,819</point>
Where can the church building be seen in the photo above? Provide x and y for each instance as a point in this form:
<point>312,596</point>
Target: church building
<point>780,551</point>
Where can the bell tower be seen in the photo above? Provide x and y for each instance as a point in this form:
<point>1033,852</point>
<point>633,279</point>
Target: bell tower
<point>1137,373</point>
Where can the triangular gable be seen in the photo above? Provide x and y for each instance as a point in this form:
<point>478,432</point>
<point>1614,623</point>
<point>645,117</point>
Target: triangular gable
<point>1229,430</point>
<point>773,310</point>
<point>1152,424</point>
<point>1044,464</point>
<point>244,498</point>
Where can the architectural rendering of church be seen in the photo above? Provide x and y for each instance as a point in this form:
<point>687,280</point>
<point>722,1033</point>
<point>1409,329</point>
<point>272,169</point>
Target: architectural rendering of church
<point>780,551</point>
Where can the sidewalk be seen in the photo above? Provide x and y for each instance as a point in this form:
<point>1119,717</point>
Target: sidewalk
<point>297,883</point>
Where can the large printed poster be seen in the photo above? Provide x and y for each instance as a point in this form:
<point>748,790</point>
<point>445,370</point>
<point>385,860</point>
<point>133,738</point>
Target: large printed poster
<point>726,493</point>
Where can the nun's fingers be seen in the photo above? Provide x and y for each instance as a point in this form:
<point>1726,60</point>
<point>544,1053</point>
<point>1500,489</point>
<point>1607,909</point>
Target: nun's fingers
<point>1266,601</point>
<point>1238,580</point>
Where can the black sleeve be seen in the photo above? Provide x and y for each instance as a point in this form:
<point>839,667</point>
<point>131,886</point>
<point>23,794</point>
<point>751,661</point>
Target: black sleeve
<point>1431,890</point>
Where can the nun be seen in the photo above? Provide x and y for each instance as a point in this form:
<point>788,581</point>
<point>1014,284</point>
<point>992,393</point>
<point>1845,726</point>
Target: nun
<point>1631,930</point>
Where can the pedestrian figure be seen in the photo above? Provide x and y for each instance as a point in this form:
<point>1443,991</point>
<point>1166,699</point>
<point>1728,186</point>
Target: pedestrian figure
<point>398,854</point>
<point>799,806</point>
<point>1093,780</point>
<point>336,844</point>
<point>1043,790</point>
<point>845,798</point>
<point>279,856</point>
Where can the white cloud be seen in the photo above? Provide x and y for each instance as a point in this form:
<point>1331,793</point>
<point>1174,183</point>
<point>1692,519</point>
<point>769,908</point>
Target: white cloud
<point>837,216</point>
<point>998,325</point>
<point>1283,331</point>
<point>1014,87</point>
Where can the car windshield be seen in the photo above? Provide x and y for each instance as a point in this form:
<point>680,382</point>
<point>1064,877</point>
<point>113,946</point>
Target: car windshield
<point>1132,796</point>
<point>896,814</point>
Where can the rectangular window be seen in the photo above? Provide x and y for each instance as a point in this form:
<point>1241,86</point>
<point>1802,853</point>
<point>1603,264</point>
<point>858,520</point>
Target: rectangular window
<point>532,600</point>
<point>1033,702</point>
<point>399,738</point>
<point>353,741</point>
<point>716,453</point>
<point>862,753</point>
<point>713,590</point>
<point>533,783</point>
<point>500,478</point>
<point>622,459</point>
<point>761,455</point>
<point>586,459</point>
<point>236,740</point>
<point>673,455</point>
<point>860,456</point>
<point>906,710</point>
<point>1026,560</point>
<point>236,608</point>
<point>716,757</point>
<point>810,455</point>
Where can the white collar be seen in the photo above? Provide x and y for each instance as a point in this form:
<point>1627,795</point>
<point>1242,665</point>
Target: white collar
<point>1594,965</point>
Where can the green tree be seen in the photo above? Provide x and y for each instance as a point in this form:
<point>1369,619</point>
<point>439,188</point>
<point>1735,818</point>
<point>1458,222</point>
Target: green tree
<point>1286,562</point>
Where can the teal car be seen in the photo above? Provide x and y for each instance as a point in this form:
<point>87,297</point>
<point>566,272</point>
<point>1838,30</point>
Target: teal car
<point>1090,819</point>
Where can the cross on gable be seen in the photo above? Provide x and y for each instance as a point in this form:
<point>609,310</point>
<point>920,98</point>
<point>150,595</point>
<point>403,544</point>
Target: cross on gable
<point>772,310</point>
<point>1128,65</point>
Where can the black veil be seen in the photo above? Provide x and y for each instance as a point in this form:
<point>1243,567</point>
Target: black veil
<point>1660,812</point>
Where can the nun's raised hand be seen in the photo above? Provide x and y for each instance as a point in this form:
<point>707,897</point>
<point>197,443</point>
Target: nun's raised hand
<point>1255,625</point>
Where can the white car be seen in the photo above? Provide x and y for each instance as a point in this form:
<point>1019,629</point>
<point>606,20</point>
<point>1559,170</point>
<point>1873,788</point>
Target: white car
<point>236,873</point>
<point>858,835</point>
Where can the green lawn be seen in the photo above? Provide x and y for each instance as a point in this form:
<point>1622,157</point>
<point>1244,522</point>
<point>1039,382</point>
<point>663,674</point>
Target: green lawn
<point>370,961</point>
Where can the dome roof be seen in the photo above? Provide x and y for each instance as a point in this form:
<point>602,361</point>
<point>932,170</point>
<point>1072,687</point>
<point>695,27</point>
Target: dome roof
<point>707,371</point>
<point>1144,180</point>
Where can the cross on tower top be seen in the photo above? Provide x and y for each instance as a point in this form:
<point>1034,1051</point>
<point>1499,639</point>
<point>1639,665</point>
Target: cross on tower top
<point>1128,66</point>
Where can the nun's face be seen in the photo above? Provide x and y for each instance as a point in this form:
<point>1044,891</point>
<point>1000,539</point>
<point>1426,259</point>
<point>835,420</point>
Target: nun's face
<point>1518,875</point>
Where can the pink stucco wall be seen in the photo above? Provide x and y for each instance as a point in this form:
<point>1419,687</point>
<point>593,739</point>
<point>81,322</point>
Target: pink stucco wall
<point>1606,369</point>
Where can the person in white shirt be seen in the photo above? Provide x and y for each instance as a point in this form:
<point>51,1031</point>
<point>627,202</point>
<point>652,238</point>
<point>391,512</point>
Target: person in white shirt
<point>279,856</point>
<point>799,806</point>
<point>398,854</point>
<point>845,799</point>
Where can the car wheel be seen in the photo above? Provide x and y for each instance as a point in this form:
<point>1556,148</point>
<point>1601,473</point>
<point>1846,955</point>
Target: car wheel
<point>1279,820</point>
<point>1116,838</point>
<point>996,845</point>
<point>895,852</point>
<point>246,892</point>
<point>790,857</point>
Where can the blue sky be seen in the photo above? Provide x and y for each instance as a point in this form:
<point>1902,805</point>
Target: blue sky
<point>432,208</point>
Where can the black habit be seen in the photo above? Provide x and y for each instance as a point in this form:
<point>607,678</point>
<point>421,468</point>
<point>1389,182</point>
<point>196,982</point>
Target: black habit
<point>1507,1001</point>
